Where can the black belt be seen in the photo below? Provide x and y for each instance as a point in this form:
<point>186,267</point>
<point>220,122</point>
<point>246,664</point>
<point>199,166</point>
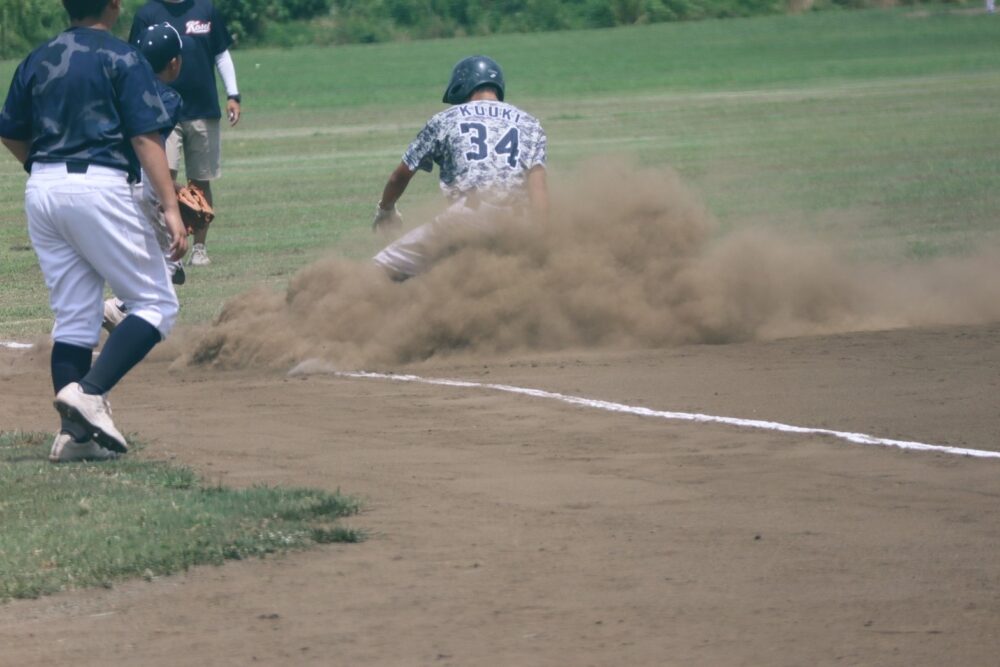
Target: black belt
<point>78,167</point>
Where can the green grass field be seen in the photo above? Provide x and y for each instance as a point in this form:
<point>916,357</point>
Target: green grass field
<point>875,127</point>
<point>79,525</point>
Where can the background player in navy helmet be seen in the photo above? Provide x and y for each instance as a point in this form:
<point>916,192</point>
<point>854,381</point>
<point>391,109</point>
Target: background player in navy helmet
<point>491,157</point>
<point>197,135</point>
<point>82,115</point>
<point>161,45</point>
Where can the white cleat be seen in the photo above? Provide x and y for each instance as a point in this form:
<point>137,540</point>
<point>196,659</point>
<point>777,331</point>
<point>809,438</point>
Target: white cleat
<point>114,313</point>
<point>66,450</point>
<point>199,256</point>
<point>93,413</point>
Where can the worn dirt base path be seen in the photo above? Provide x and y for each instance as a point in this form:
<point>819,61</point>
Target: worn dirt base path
<point>515,531</point>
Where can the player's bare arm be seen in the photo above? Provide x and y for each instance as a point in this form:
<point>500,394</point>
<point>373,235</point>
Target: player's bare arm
<point>385,212</point>
<point>149,150</point>
<point>18,148</point>
<point>399,179</point>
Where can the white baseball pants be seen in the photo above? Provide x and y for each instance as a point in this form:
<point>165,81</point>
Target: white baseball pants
<point>88,229</point>
<point>417,250</point>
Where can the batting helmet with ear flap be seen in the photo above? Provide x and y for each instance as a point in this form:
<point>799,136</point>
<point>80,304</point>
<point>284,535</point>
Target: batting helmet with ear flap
<point>471,73</point>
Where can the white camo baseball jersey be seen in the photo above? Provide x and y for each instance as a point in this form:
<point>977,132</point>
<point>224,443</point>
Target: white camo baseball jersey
<point>482,147</point>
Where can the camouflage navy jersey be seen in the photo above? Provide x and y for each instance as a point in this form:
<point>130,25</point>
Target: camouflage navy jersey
<point>483,148</point>
<point>81,98</point>
<point>173,105</point>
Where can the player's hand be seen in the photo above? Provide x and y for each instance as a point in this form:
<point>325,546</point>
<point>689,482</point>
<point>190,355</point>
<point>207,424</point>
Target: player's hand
<point>233,111</point>
<point>178,234</point>
<point>386,219</point>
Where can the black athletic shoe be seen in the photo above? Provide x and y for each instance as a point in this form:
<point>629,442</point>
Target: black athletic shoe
<point>179,276</point>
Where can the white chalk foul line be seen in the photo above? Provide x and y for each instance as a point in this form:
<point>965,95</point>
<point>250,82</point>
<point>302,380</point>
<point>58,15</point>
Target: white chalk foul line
<point>13,345</point>
<point>312,366</point>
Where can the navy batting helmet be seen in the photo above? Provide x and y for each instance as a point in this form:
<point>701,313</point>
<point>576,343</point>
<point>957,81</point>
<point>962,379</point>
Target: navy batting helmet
<point>161,43</point>
<point>471,73</point>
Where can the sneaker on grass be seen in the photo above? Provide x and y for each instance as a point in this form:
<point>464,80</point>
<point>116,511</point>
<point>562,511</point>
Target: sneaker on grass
<point>66,450</point>
<point>199,256</point>
<point>93,412</point>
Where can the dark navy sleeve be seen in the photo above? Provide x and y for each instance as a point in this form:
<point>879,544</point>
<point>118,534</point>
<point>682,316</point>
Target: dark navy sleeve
<point>172,103</point>
<point>15,118</point>
<point>141,108</point>
<point>221,39</point>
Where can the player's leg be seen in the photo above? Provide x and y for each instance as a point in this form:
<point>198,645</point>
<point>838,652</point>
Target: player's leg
<point>202,164</point>
<point>134,266</point>
<point>174,147</point>
<point>407,256</point>
<point>115,239</point>
<point>71,284</point>
<point>72,442</point>
<point>417,250</point>
<point>115,310</point>
<point>73,287</point>
<point>70,364</point>
<point>150,206</point>
<point>201,235</point>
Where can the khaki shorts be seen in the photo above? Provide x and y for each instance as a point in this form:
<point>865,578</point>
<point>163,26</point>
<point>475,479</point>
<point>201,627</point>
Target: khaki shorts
<point>201,141</point>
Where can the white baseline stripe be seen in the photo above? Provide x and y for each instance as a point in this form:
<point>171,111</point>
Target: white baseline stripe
<point>15,345</point>
<point>314,366</point>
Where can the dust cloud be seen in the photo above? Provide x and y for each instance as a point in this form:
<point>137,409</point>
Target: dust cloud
<point>630,258</point>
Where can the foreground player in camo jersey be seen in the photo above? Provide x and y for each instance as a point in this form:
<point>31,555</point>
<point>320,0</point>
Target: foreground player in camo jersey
<point>491,157</point>
<point>82,114</point>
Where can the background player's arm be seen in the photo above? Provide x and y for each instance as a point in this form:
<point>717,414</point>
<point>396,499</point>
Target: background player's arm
<point>18,148</point>
<point>224,63</point>
<point>149,150</point>
<point>538,194</point>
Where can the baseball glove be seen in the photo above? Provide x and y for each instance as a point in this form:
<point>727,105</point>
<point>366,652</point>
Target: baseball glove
<point>196,212</point>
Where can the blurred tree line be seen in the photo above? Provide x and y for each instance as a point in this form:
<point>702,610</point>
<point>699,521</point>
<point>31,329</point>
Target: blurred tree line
<point>378,20</point>
<point>25,23</point>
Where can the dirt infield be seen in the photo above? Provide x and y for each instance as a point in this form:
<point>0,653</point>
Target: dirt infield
<point>509,530</point>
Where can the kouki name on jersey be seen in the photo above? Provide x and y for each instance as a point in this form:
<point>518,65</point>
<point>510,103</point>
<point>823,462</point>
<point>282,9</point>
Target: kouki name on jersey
<point>491,111</point>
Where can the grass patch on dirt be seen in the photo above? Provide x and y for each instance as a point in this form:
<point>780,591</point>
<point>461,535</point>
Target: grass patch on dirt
<point>90,524</point>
